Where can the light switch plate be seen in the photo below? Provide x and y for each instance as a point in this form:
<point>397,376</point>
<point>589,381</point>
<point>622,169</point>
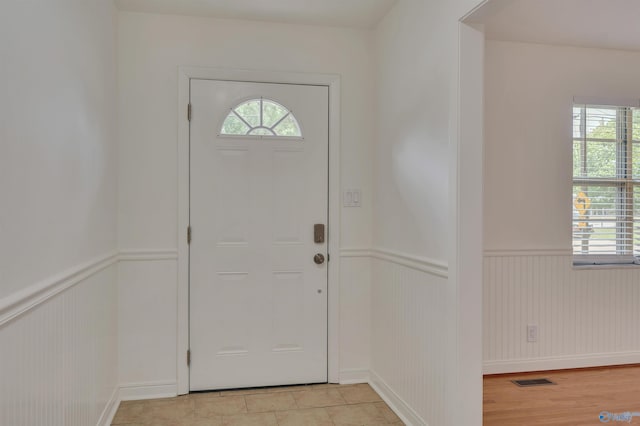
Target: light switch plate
<point>352,197</point>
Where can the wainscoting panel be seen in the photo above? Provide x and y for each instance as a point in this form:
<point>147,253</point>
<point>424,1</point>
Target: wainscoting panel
<point>408,335</point>
<point>147,318</point>
<point>355,317</point>
<point>58,359</point>
<point>585,317</point>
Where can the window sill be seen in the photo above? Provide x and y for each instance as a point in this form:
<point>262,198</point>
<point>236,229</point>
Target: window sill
<point>605,266</point>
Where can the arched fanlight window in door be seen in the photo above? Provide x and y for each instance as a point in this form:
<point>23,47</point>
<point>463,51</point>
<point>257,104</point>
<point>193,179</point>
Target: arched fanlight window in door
<point>261,117</point>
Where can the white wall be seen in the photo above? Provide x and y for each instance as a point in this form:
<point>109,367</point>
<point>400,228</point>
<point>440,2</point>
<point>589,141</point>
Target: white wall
<point>57,159</point>
<point>584,317</point>
<point>58,212</point>
<point>151,48</point>
<point>411,164</point>
<point>417,292</point>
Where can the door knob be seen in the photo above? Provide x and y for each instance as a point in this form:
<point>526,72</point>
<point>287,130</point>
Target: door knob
<point>319,259</point>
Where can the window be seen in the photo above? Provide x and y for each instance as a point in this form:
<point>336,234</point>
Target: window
<point>261,117</point>
<point>606,184</point>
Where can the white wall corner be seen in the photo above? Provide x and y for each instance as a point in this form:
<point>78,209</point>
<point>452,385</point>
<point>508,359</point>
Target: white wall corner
<point>110,409</point>
<point>469,243</point>
<point>408,416</point>
<point>350,376</point>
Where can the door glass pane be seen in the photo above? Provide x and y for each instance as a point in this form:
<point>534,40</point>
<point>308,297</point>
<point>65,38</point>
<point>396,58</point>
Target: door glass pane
<point>288,127</point>
<point>271,113</point>
<point>250,112</point>
<point>234,126</point>
<point>261,131</point>
<point>261,117</point>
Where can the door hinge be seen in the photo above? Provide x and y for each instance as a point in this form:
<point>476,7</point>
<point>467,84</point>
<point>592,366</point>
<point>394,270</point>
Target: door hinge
<point>188,357</point>
<point>189,112</point>
<point>188,234</point>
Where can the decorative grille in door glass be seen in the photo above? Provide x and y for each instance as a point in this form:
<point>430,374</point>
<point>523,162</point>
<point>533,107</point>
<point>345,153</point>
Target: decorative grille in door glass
<point>261,117</point>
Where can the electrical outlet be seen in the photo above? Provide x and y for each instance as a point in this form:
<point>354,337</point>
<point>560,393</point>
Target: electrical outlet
<point>532,333</point>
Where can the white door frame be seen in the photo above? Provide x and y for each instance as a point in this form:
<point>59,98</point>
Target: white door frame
<point>467,262</point>
<point>185,74</point>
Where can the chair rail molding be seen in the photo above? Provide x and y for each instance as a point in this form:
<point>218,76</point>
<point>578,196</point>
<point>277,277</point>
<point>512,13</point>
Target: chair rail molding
<point>25,300</point>
<point>419,263</point>
<point>147,254</point>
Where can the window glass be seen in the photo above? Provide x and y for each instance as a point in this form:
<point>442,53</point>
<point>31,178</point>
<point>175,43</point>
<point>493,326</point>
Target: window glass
<point>636,160</point>
<point>601,123</point>
<point>636,220</point>
<point>595,214</point>
<point>601,159</point>
<point>577,159</point>
<point>606,160</point>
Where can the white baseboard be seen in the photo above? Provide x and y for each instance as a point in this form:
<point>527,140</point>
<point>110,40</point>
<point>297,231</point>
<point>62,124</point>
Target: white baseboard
<point>110,409</point>
<point>148,390</point>
<point>560,363</point>
<point>397,404</point>
<point>352,376</point>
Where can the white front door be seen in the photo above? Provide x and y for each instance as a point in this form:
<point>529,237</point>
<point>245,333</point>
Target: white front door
<point>258,299</point>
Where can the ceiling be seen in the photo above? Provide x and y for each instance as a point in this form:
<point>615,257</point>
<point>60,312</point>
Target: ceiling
<point>610,24</point>
<point>341,13</point>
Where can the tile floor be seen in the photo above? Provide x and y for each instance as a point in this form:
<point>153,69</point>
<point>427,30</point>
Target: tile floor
<point>312,405</point>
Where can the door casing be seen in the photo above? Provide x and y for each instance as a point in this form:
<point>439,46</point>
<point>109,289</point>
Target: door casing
<point>185,74</point>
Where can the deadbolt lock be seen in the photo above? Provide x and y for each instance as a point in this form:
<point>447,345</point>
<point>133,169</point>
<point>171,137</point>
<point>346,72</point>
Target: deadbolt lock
<point>318,259</point>
<point>318,233</point>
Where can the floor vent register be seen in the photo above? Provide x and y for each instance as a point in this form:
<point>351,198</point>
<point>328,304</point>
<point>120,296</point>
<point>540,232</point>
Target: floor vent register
<point>532,382</point>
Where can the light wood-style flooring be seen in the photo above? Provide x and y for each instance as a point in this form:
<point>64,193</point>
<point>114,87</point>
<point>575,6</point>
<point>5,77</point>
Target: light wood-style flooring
<point>578,398</point>
<point>312,405</point>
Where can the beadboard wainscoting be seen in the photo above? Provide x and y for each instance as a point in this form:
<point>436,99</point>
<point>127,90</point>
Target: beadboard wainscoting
<point>408,337</point>
<point>355,314</point>
<point>585,317</point>
<point>58,349</point>
<point>147,323</point>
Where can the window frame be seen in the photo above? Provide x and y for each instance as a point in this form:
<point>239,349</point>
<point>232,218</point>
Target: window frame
<point>623,182</point>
